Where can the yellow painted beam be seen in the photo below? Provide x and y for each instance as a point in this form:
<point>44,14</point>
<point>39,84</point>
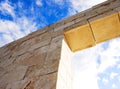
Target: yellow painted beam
<point>95,32</point>
<point>106,28</point>
<point>119,14</point>
<point>79,38</point>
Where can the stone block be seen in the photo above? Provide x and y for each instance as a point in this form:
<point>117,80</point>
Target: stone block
<point>23,47</point>
<point>57,33</point>
<point>40,44</point>
<point>59,25</point>
<point>102,4</point>
<point>2,72</point>
<point>18,84</point>
<point>115,4</point>
<point>101,16</point>
<point>69,24</point>
<point>80,23</point>
<point>70,19</point>
<point>80,15</point>
<point>46,82</point>
<point>36,70</point>
<point>59,28</point>
<point>91,13</point>
<point>34,59</point>
<point>56,42</point>
<point>43,36</point>
<point>53,57</point>
<point>79,20</point>
<point>117,9</point>
<point>38,32</point>
<point>14,75</point>
<point>103,9</point>
<point>7,62</point>
<point>43,49</point>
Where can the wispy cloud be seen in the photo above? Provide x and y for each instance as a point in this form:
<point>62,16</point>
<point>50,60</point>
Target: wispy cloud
<point>15,29</point>
<point>60,2</point>
<point>114,86</point>
<point>7,8</point>
<point>20,4</point>
<point>113,74</point>
<point>11,30</point>
<point>80,5</point>
<point>105,81</point>
<point>87,64</point>
<point>39,2</point>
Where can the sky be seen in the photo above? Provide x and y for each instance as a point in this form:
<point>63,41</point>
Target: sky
<point>94,68</point>
<point>98,67</point>
<point>18,18</point>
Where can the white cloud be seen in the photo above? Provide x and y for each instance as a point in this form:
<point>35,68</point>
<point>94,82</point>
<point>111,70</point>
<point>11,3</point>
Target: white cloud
<point>59,2</point>
<point>86,67</point>
<point>80,5</point>
<point>119,78</point>
<point>108,56</point>
<point>114,86</point>
<point>20,4</point>
<point>19,27</point>
<point>118,66</point>
<point>7,8</point>
<point>39,2</point>
<point>105,81</point>
<point>113,74</point>
<point>11,30</point>
<point>26,24</point>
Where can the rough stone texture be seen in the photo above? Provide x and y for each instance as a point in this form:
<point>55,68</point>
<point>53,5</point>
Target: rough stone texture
<point>32,61</point>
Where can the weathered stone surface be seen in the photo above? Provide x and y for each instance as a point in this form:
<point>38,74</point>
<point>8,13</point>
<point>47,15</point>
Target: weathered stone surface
<point>57,33</point>
<point>40,44</point>
<point>46,82</point>
<point>101,4</point>
<point>59,26</point>
<point>102,15</point>
<point>54,51</point>
<point>70,19</point>
<point>103,9</point>
<point>21,84</point>
<point>14,75</point>
<point>115,4</point>
<point>90,14</point>
<point>34,59</point>
<point>7,62</point>
<point>78,23</point>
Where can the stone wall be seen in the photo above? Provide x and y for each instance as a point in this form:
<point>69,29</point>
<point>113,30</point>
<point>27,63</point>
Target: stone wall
<point>32,62</point>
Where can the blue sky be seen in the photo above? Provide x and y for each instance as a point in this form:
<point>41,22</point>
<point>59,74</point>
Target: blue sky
<point>25,16</point>
<point>94,68</point>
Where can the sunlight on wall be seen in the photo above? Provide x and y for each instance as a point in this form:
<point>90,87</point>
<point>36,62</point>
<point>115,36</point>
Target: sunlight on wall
<point>98,67</point>
<point>65,71</point>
